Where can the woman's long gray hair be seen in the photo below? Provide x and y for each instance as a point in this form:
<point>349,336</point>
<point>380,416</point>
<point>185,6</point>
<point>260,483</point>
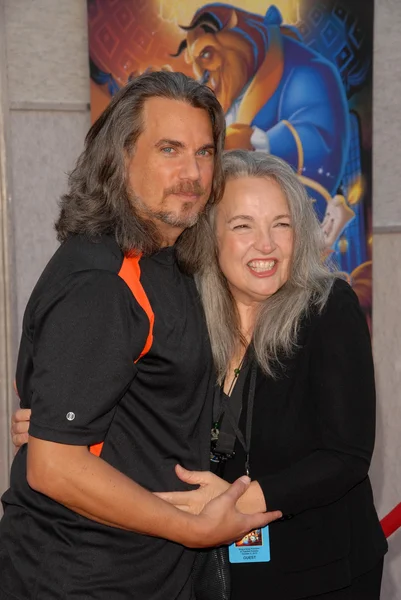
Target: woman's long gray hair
<point>279,317</point>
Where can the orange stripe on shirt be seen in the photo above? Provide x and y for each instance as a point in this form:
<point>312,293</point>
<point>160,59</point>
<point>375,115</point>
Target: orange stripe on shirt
<point>130,272</point>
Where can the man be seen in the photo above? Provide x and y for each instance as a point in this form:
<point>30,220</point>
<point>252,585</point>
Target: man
<point>115,364</point>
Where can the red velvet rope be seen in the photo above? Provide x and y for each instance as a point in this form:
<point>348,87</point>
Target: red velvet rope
<point>392,521</point>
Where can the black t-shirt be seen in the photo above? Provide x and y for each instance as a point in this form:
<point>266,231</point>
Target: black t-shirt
<point>83,329</point>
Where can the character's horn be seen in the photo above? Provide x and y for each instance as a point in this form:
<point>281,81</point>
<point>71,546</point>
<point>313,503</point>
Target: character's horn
<point>181,49</point>
<point>232,21</point>
<point>205,20</point>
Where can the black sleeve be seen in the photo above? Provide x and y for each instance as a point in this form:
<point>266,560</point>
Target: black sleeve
<point>343,388</point>
<point>86,338</point>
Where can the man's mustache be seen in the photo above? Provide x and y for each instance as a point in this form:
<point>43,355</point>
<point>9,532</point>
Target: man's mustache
<point>192,189</point>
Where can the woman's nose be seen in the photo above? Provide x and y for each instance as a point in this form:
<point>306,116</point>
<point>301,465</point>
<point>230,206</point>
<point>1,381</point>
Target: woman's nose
<point>265,242</point>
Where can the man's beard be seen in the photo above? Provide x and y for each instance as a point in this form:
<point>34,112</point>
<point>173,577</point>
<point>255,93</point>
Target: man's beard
<point>184,219</point>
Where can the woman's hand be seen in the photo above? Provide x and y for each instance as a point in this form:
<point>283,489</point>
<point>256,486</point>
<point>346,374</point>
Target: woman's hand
<point>19,427</point>
<point>210,486</point>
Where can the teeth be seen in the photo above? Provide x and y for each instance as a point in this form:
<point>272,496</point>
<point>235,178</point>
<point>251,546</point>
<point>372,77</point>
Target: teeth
<point>262,265</point>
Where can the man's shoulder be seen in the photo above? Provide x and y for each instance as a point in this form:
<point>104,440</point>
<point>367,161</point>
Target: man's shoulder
<point>77,258</point>
<point>79,253</point>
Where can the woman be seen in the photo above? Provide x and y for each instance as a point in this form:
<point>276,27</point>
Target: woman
<point>289,342</point>
<point>269,301</point>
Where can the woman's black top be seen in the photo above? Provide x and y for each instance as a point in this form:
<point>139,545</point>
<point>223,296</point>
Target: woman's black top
<point>313,432</point>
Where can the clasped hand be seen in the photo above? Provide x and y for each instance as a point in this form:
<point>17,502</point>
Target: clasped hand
<point>239,507</point>
<point>194,501</point>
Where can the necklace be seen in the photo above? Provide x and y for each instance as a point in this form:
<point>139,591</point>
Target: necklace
<point>237,371</point>
<point>216,426</point>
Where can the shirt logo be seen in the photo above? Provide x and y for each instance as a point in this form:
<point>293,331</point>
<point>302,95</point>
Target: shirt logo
<point>70,416</point>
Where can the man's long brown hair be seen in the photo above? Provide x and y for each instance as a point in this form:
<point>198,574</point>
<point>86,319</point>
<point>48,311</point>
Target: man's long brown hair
<point>98,200</point>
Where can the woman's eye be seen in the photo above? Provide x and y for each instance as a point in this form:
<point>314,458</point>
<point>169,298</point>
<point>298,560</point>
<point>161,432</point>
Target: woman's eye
<point>283,224</point>
<point>244,226</point>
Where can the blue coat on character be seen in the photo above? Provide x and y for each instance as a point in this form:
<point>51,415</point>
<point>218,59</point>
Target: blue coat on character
<point>306,120</point>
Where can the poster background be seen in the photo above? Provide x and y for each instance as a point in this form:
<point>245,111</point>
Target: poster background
<point>127,37</point>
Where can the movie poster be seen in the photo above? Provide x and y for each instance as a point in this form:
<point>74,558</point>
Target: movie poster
<point>294,79</point>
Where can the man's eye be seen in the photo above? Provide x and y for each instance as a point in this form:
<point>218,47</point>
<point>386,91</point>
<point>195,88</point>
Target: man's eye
<point>167,150</point>
<point>205,152</point>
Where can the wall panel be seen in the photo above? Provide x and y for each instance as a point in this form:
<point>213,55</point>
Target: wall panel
<point>387,116</point>
<point>386,466</point>
<point>47,51</point>
<point>45,146</point>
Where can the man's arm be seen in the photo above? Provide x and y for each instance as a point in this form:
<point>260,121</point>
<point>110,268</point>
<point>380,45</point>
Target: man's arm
<point>89,481</point>
<point>88,485</point>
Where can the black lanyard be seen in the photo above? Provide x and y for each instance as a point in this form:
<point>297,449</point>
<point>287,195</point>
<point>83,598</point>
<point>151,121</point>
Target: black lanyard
<point>226,410</point>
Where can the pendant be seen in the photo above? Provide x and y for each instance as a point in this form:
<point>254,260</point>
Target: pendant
<point>214,433</point>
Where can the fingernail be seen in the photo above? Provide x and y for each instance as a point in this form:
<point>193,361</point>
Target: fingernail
<point>245,479</point>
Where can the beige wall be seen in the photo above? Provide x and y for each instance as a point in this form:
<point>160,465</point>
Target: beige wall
<point>45,100</point>
<point>48,90</point>
<point>386,467</point>
<point>6,327</point>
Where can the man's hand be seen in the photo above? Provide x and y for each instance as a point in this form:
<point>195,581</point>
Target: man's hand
<point>210,486</point>
<point>220,522</point>
<point>19,427</point>
<point>224,512</point>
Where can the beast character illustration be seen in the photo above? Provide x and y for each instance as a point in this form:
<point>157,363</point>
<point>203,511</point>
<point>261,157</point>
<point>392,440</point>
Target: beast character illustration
<point>279,96</point>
